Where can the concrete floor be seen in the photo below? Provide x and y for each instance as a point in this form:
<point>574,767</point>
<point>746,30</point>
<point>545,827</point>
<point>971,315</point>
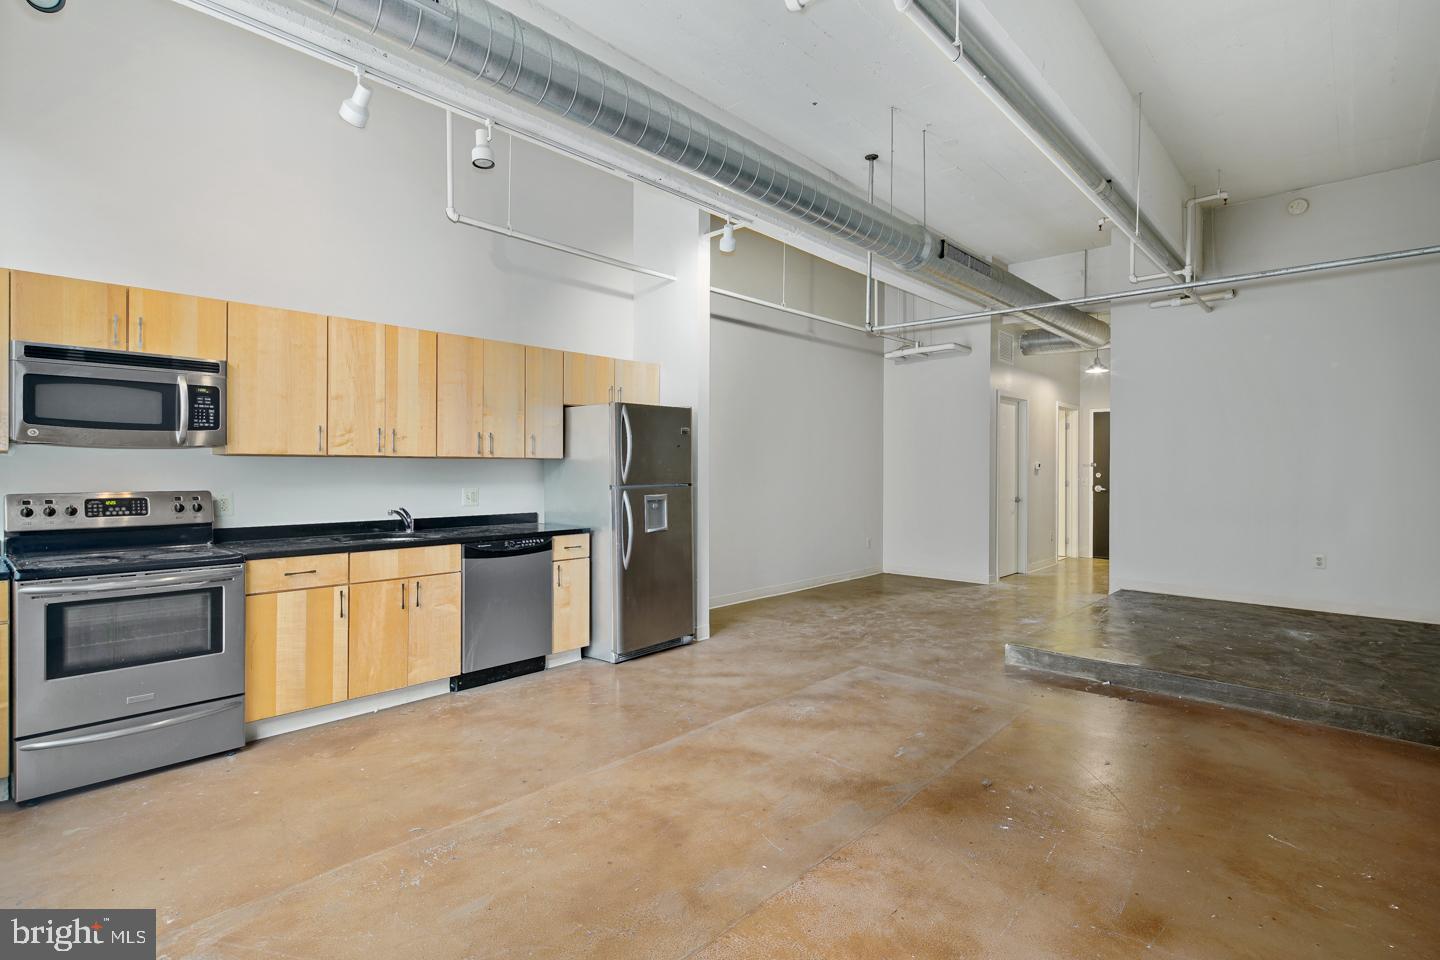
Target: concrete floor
<point>845,772</point>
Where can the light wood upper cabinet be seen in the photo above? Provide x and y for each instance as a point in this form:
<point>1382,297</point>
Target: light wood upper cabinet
<point>276,381</point>
<point>637,382</point>
<point>434,631</point>
<point>379,636</point>
<point>570,626</point>
<point>4,361</point>
<point>356,403</point>
<point>460,399</point>
<point>176,324</point>
<point>296,651</point>
<point>544,403</point>
<point>588,379</point>
<point>79,313</point>
<point>504,399</point>
<point>410,399</point>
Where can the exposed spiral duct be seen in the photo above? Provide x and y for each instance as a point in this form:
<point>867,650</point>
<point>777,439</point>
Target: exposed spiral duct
<point>490,46</point>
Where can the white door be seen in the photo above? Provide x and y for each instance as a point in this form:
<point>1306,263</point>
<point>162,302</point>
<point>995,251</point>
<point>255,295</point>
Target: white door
<point>1007,488</point>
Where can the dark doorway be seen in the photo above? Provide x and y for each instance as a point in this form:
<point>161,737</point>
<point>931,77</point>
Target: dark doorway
<point>1100,512</point>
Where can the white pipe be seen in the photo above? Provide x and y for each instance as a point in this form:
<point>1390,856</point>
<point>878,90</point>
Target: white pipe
<point>1237,278</point>
<point>745,298</point>
<point>1094,192</point>
<point>505,230</point>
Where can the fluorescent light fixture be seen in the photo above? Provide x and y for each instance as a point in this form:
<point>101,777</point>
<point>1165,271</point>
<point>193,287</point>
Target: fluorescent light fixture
<point>482,157</point>
<point>925,350</point>
<point>356,110</point>
<point>727,238</point>
<point>1097,365</point>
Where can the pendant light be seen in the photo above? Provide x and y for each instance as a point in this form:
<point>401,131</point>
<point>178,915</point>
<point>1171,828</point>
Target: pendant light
<point>1097,365</point>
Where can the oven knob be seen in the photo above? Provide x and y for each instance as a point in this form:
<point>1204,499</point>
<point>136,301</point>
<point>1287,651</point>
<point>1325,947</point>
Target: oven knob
<point>197,507</point>
<point>48,511</point>
<point>27,512</point>
<point>179,508</point>
<point>70,511</point>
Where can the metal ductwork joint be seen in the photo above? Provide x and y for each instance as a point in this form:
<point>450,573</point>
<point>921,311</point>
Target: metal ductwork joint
<point>485,44</point>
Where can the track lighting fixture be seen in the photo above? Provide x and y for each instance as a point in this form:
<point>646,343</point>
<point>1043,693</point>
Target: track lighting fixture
<point>482,157</point>
<point>1097,365</point>
<point>356,110</point>
<point>727,238</point>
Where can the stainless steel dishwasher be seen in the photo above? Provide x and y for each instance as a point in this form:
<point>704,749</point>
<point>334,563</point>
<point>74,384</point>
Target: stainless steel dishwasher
<point>508,610</point>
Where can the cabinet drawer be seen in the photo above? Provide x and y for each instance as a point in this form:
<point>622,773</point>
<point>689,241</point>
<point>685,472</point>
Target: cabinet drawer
<point>406,562</point>
<point>572,546</point>
<point>297,573</point>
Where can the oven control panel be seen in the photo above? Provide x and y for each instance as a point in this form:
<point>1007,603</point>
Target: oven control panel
<point>41,512</point>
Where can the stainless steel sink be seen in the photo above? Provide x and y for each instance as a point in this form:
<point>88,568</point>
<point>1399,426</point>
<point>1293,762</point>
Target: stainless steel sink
<point>379,537</point>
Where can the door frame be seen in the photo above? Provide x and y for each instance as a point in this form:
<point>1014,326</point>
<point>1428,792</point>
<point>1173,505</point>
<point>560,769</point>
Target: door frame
<point>1090,468</point>
<point>1067,507</point>
<point>1022,463</point>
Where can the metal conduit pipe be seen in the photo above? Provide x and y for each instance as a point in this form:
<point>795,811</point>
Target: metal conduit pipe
<point>485,44</point>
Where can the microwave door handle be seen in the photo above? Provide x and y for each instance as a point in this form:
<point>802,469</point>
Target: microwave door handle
<point>182,429</point>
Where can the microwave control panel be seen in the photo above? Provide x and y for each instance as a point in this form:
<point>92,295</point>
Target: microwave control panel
<point>204,407</point>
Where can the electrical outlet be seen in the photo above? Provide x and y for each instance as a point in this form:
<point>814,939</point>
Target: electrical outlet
<point>469,496</point>
<point>1319,561</point>
<point>224,504</point>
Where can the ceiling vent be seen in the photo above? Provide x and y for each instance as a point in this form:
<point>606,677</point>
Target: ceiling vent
<point>1005,346</point>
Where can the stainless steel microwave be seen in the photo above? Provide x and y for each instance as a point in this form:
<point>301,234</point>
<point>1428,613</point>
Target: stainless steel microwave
<point>80,397</point>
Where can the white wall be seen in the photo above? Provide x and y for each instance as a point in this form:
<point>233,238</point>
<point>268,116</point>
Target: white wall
<point>145,143</point>
<point>795,427</point>
<point>1297,420</point>
<point>937,452</point>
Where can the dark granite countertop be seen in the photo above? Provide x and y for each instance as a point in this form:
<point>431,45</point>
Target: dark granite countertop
<point>262,543</point>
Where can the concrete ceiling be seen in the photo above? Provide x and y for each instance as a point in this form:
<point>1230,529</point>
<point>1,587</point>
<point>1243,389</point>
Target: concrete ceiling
<point>1281,94</point>
<point>822,84</point>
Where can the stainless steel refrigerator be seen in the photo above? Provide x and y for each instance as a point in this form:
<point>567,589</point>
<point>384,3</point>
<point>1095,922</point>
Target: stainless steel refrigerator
<point>627,476</point>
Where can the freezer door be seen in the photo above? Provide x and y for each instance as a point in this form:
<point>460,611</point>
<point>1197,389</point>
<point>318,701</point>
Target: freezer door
<point>652,444</point>
<point>655,567</point>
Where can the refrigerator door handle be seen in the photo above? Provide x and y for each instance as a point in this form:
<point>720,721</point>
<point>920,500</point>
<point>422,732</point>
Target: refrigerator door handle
<point>629,530</point>
<point>629,444</point>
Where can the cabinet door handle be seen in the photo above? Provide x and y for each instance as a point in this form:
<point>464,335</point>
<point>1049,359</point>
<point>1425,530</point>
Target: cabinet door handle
<point>403,587</point>
<point>417,594</point>
<point>532,444</point>
<point>299,573</point>
<point>574,546</point>
<point>320,437</point>
<point>557,576</point>
<point>479,444</point>
<point>141,324</point>
<point>342,604</point>
<point>115,330</point>
<point>379,439</point>
<point>492,444</point>
<point>393,447</point>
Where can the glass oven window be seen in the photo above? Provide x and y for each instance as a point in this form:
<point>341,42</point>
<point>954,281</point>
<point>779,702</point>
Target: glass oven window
<point>100,404</point>
<point>90,636</point>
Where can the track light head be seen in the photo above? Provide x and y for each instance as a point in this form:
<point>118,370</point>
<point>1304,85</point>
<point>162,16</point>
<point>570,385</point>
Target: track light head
<point>482,157</point>
<point>356,110</point>
<point>727,238</point>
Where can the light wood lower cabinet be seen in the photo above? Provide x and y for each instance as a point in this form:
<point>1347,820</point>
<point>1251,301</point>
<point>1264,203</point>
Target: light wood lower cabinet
<point>296,650</point>
<point>175,324</point>
<point>571,592</point>
<point>434,629</point>
<point>275,382</point>
<point>78,313</point>
<point>379,637</point>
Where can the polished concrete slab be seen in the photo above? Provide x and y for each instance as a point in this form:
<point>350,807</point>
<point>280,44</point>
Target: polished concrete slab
<point>844,772</point>
<point>1357,673</point>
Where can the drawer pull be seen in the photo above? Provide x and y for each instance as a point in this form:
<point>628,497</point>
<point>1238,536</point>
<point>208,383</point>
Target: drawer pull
<point>299,573</point>
<point>575,546</point>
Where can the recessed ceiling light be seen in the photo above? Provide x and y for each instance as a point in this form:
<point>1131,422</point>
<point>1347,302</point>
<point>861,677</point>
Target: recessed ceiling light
<point>1297,206</point>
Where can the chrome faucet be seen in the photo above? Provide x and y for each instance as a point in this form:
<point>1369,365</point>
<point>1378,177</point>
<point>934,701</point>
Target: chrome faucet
<point>405,517</point>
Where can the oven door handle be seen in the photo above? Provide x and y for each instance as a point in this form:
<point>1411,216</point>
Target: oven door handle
<point>182,428</point>
<point>129,731</point>
<point>140,583</point>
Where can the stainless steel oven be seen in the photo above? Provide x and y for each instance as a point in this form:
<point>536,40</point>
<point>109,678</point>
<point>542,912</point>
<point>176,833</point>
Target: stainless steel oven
<point>128,636</point>
<point>114,398</point>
